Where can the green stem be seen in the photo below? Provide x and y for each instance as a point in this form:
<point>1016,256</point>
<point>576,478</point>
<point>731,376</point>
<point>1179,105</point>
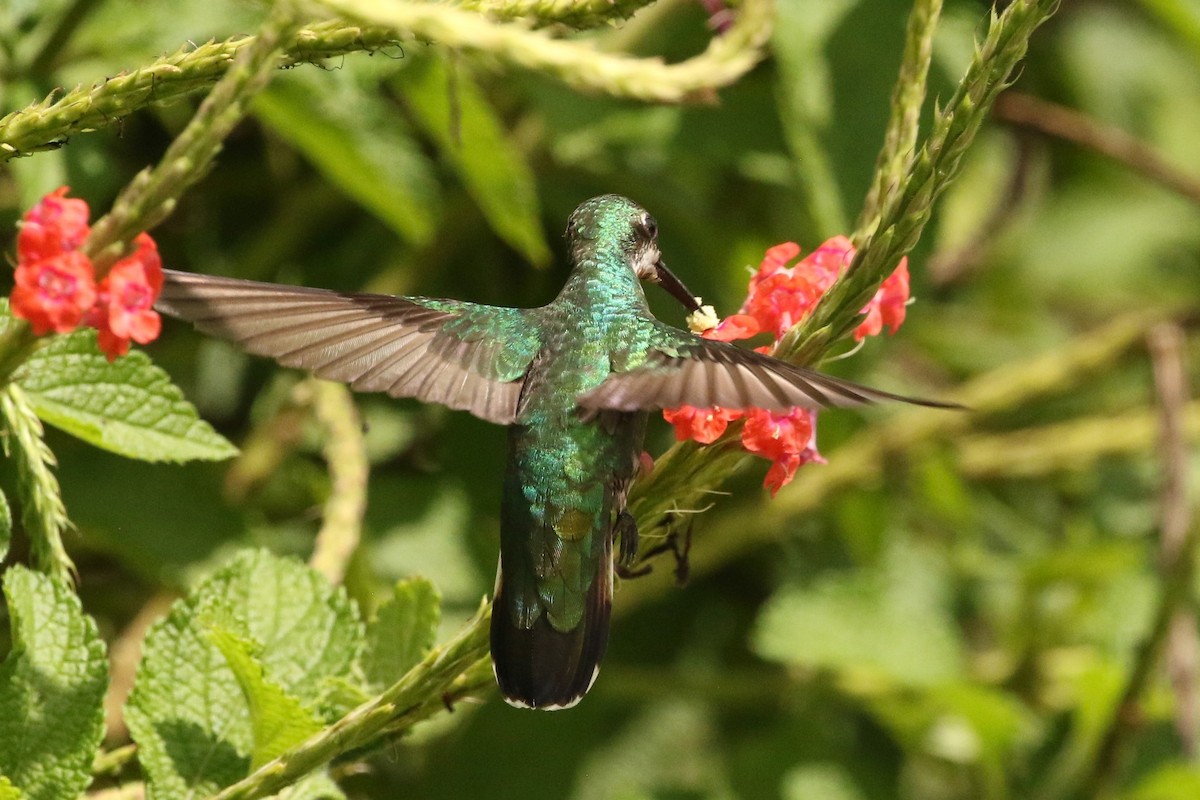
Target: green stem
<point>458,668</point>
<point>346,457</point>
<point>17,343</point>
<point>578,63</point>
<point>904,214</point>
<point>900,139</point>
<point>42,509</point>
<point>1179,538</point>
<point>52,121</point>
<point>578,14</point>
<point>151,196</point>
<point>687,474</point>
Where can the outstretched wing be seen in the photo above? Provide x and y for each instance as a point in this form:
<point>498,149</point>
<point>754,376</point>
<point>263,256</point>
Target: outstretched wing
<point>681,369</point>
<point>462,355</point>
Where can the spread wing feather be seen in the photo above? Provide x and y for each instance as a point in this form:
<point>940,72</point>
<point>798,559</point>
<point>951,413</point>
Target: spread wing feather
<point>462,355</point>
<point>681,369</point>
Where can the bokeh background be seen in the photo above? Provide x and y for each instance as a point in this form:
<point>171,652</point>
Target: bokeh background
<point>954,617</point>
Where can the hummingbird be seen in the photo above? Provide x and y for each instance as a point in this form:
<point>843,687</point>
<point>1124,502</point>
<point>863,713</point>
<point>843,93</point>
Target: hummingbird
<point>574,382</point>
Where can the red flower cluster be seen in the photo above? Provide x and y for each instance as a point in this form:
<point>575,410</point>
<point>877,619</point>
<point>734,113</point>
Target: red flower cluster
<point>56,287</point>
<point>779,297</point>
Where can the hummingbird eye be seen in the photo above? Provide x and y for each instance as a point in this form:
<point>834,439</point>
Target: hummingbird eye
<point>648,227</point>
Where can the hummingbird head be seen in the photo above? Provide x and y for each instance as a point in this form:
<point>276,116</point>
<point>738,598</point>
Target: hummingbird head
<point>614,221</point>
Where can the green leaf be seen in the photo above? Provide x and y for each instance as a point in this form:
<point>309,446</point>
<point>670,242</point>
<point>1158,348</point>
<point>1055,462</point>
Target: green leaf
<point>403,631</point>
<point>278,719</point>
<point>453,111</point>
<point>826,781</point>
<point>51,689</point>
<point>671,749</point>
<point>129,406</point>
<point>358,141</point>
<point>8,791</point>
<point>188,713</point>
<point>801,32</point>
<point>874,628</point>
<point>1167,782</point>
<point>5,526</point>
<point>314,786</point>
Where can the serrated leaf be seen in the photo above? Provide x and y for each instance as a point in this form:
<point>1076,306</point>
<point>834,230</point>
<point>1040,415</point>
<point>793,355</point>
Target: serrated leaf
<point>453,111</point>
<point>403,631</point>
<point>278,719</point>
<point>188,713</point>
<point>358,140</point>
<point>129,406</point>
<point>5,526</point>
<point>51,689</point>
<point>871,627</point>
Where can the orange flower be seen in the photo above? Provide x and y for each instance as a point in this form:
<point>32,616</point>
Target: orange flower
<point>54,293</point>
<point>779,297</point>
<point>56,284</point>
<point>125,309</point>
<point>705,425</point>
<point>56,225</point>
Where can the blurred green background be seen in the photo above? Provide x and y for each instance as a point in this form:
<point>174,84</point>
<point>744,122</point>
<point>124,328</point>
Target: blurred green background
<point>933,630</point>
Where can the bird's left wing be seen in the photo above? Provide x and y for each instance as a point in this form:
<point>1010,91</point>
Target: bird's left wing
<point>462,355</point>
<point>679,369</point>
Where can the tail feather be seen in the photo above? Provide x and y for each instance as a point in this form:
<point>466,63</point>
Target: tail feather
<point>545,668</point>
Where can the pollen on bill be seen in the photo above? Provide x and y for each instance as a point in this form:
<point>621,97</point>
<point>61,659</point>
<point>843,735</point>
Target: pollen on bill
<point>704,319</point>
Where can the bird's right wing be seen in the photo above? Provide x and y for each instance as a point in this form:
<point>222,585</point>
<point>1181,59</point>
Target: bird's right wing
<point>680,368</point>
<point>462,355</point>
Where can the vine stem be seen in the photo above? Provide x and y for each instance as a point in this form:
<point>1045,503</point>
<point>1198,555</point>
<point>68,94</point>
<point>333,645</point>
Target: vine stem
<point>578,63</point>
<point>346,457</point>
<point>1178,543</point>
<point>908,96</point>
<point>451,671</point>
<point>151,196</point>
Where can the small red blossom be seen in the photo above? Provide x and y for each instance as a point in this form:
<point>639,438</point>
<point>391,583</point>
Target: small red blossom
<point>56,285</point>
<point>733,327</point>
<point>56,225</point>
<point>705,425</point>
<point>54,293</point>
<point>124,311</point>
<point>788,440</point>
<point>779,297</point>
<point>888,305</point>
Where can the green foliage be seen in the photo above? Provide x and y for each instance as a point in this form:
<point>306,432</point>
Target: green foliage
<point>890,626</point>
<point>278,720</point>
<point>354,137</point>
<point>52,688</point>
<point>8,791</point>
<point>402,631</point>
<point>955,606</point>
<point>129,406</point>
<point>5,526</point>
<point>446,102</point>
<point>204,709</point>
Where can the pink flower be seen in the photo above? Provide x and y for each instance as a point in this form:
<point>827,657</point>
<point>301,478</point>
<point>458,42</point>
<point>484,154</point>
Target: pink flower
<point>705,425</point>
<point>787,440</point>
<point>56,285</point>
<point>779,297</point>
<point>124,311</point>
<point>888,305</point>
<point>56,225</point>
<point>54,293</point>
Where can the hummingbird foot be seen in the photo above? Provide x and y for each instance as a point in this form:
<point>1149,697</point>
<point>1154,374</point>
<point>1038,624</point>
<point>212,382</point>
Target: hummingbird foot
<point>626,528</point>
<point>678,543</point>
